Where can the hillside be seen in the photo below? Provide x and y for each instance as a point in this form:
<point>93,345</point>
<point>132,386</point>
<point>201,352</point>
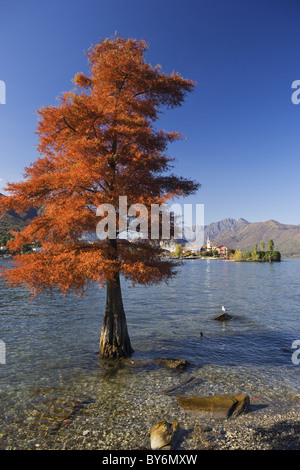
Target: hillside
<point>16,221</point>
<point>229,225</point>
<point>244,236</point>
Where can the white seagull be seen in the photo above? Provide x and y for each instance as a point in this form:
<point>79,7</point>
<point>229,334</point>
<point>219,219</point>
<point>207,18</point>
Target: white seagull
<point>224,309</point>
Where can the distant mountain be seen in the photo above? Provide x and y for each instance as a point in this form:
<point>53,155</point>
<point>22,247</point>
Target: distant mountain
<point>216,229</point>
<point>244,235</point>
<point>16,221</point>
<point>230,232</point>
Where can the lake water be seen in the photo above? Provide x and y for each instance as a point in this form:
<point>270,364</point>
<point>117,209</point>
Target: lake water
<point>57,393</point>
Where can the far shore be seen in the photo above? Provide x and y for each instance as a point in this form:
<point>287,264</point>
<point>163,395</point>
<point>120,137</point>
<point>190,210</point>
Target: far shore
<point>225,259</point>
<point>205,258</point>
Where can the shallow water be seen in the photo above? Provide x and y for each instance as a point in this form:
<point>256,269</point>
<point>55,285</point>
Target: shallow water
<point>57,393</point>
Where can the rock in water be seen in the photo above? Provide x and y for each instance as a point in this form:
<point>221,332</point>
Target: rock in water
<point>223,317</point>
<point>170,363</point>
<point>162,435</point>
<point>223,406</point>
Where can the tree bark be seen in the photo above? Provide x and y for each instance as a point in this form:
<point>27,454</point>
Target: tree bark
<point>114,340</point>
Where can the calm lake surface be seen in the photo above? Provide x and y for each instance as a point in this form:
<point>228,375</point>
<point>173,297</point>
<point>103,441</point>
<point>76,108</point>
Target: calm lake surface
<point>56,393</point>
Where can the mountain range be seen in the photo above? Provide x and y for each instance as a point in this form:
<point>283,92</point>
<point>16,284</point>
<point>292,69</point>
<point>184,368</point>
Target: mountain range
<point>244,235</point>
<point>230,232</point>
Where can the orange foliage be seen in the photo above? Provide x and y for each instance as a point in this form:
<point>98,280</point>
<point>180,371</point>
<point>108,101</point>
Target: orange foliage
<point>97,144</point>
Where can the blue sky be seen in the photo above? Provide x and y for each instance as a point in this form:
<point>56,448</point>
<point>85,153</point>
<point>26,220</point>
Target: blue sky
<point>241,126</point>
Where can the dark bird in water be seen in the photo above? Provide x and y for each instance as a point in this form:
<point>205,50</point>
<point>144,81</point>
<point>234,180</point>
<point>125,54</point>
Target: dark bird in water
<point>201,334</point>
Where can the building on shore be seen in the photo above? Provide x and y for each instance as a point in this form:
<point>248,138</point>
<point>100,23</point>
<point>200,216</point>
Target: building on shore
<point>222,250</point>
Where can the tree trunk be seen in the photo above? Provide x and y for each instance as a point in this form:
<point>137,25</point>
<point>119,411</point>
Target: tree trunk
<point>114,340</point>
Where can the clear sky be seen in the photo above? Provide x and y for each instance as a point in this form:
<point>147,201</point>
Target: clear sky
<point>242,129</point>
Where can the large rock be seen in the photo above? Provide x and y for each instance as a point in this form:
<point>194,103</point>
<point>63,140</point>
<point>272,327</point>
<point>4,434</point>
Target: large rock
<point>163,434</point>
<point>177,364</point>
<point>223,406</point>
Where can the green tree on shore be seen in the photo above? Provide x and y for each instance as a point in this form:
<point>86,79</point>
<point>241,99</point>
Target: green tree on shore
<point>255,255</point>
<point>261,255</point>
<point>178,251</point>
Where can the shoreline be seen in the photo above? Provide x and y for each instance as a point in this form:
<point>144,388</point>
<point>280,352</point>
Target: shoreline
<point>252,431</point>
<point>223,259</point>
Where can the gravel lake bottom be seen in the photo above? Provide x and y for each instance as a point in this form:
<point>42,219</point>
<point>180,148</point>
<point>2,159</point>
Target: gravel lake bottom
<point>81,418</point>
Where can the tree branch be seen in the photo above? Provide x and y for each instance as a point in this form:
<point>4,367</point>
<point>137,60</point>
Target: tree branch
<point>69,125</point>
<point>142,92</point>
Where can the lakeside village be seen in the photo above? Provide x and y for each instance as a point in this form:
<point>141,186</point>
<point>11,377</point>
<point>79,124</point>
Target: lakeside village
<point>216,251</point>
<point>181,250</point>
